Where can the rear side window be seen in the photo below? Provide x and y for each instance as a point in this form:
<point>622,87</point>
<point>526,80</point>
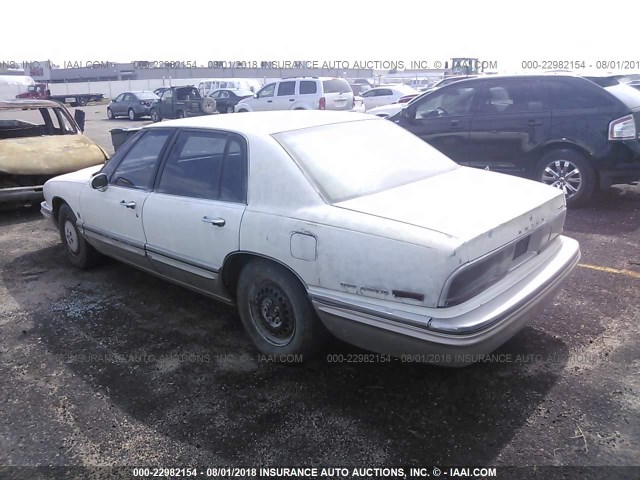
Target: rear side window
<point>286,88</point>
<point>511,96</point>
<point>308,88</point>
<point>566,95</point>
<point>336,85</point>
<point>137,168</point>
<point>206,165</point>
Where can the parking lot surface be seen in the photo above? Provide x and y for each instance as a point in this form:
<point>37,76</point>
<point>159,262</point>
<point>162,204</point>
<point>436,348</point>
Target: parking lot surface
<point>112,366</point>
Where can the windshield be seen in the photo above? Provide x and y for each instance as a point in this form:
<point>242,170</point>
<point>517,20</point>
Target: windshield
<point>353,159</point>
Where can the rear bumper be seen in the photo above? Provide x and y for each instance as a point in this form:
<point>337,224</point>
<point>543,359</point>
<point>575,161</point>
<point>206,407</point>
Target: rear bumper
<point>443,338</point>
<point>21,194</point>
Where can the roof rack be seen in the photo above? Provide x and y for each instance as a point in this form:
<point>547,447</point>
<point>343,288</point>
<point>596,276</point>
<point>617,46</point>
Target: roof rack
<point>298,76</point>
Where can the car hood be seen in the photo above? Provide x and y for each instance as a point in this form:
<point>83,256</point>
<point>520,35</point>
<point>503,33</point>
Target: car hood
<point>390,109</point>
<point>48,155</point>
<point>466,204</point>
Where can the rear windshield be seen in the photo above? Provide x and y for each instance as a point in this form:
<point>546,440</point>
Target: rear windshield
<point>626,94</point>
<point>353,159</point>
<point>337,85</point>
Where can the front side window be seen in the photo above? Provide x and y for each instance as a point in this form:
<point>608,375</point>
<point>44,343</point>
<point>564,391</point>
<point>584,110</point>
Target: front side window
<point>267,91</point>
<point>206,165</point>
<point>451,101</point>
<point>167,95</point>
<point>137,168</point>
<point>286,89</point>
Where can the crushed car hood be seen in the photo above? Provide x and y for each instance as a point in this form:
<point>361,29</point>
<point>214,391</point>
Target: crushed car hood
<point>466,203</point>
<point>48,155</point>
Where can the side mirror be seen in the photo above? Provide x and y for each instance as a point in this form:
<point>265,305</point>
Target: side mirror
<point>100,182</point>
<point>79,116</point>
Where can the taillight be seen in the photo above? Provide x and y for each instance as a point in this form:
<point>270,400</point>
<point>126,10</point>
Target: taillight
<point>623,128</point>
<point>323,103</point>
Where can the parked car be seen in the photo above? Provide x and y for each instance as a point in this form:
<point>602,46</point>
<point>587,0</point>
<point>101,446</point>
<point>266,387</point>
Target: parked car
<point>301,93</point>
<point>207,87</point>
<point>131,104</point>
<point>407,98</point>
<point>38,140</point>
<point>359,88</point>
<point>316,221</point>
<point>227,99</point>
<point>181,102</point>
<point>563,130</point>
<point>378,96</point>
<point>387,111</point>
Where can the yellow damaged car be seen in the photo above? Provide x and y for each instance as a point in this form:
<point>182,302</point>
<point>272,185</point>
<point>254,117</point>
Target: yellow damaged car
<point>39,140</point>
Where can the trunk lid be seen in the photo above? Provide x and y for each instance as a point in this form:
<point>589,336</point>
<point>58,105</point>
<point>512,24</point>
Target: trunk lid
<point>338,94</point>
<point>484,210</point>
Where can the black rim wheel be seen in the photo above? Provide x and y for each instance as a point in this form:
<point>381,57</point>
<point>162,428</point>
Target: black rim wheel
<point>272,313</point>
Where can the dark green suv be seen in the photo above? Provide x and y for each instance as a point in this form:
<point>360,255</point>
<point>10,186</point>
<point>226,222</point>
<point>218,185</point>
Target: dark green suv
<point>182,102</point>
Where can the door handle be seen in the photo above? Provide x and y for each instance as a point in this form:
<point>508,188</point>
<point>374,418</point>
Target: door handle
<point>534,123</point>
<point>454,123</point>
<point>128,204</point>
<point>218,222</point>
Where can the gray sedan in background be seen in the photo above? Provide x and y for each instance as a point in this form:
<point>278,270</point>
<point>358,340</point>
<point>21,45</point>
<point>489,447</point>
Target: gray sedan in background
<point>132,105</point>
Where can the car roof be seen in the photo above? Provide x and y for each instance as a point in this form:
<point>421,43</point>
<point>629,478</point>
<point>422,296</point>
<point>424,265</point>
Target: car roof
<point>267,123</point>
<point>13,104</point>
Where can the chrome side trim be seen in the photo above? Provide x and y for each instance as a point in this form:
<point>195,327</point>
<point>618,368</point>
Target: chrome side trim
<point>113,239</point>
<point>179,258</point>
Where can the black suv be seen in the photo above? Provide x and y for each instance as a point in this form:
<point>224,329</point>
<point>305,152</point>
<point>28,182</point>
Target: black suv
<point>563,130</point>
<point>181,102</point>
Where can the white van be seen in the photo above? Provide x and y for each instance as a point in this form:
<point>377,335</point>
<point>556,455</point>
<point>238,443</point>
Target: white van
<point>210,85</point>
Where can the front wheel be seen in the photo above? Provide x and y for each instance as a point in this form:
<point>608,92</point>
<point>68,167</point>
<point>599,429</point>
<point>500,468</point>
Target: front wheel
<point>569,171</point>
<point>276,312</point>
<point>110,114</point>
<point>230,109</point>
<point>79,252</point>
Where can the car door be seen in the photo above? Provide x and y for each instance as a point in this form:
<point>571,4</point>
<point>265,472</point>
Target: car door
<point>264,98</point>
<point>192,218</point>
<point>443,119</point>
<point>127,102</point>
<point>285,95</point>
<point>369,98</point>
<point>117,105</point>
<point>112,218</point>
<point>166,105</point>
<point>511,119</point>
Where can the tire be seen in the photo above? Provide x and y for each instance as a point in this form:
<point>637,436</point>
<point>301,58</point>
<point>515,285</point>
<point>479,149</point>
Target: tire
<point>78,251</point>
<point>179,114</point>
<point>82,101</point>
<point>276,312</point>
<point>242,110</point>
<point>230,109</point>
<point>208,105</point>
<point>110,114</point>
<point>570,171</point>
<point>155,115</point>
<point>73,104</point>
<point>132,114</point>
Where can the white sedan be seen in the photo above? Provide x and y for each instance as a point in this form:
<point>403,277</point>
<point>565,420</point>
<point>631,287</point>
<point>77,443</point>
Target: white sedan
<point>384,95</point>
<point>315,222</point>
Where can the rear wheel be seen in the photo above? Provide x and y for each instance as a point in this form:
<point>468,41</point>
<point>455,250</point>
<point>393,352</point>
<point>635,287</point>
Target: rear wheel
<point>132,114</point>
<point>155,115</point>
<point>230,109</point>
<point>79,252</point>
<point>569,171</point>
<point>82,101</point>
<point>179,114</point>
<point>276,312</point>
<point>242,110</point>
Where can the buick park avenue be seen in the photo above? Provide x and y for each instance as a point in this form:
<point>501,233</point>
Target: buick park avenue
<point>316,223</point>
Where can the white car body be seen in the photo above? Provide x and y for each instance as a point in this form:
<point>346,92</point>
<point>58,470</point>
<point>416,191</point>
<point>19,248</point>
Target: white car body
<point>384,95</point>
<point>387,111</point>
<point>302,93</point>
<point>210,85</point>
<point>381,230</point>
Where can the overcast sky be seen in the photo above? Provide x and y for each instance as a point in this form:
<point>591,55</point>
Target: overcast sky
<point>506,31</point>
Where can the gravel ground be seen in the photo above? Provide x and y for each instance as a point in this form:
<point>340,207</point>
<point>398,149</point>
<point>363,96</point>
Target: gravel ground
<point>115,367</point>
